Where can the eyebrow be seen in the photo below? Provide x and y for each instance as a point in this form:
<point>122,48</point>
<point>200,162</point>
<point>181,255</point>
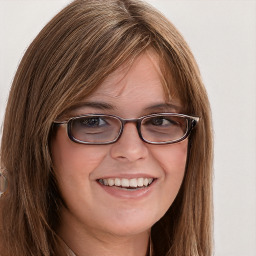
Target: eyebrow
<point>98,105</point>
<point>164,107</point>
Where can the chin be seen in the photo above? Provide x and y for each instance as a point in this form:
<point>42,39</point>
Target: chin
<point>131,223</point>
<point>129,230</point>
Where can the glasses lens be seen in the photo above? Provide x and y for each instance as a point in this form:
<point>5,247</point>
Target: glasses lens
<point>95,129</point>
<point>163,128</point>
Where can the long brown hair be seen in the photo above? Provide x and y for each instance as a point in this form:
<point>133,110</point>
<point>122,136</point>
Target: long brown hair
<point>70,57</point>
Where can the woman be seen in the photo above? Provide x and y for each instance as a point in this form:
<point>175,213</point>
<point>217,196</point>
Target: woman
<point>106,142</point>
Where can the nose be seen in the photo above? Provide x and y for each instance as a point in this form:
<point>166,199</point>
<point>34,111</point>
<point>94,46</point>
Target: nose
<point>129,147</point>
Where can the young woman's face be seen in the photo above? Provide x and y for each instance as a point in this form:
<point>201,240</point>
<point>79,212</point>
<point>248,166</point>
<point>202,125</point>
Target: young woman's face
<point>96,208</point>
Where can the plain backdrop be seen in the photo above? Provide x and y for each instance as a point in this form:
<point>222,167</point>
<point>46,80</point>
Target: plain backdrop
<point>222,36</point>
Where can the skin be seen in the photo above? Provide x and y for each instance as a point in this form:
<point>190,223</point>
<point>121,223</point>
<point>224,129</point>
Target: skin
<point>96,222</point>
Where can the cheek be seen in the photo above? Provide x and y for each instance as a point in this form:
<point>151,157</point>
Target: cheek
<point>69,157</point>
<point>172,158</point>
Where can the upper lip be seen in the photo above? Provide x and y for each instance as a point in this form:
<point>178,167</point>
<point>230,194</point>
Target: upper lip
<point>127,176</point>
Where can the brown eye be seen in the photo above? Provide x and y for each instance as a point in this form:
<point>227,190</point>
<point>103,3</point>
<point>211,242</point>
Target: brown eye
<point>161,121</point>
<point>91,122</point>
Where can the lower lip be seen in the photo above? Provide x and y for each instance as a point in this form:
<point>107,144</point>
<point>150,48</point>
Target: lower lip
<point>126,193</point>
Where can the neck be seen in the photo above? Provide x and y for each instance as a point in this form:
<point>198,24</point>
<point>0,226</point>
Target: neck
<point>106,251</point>
<point>97,243</point>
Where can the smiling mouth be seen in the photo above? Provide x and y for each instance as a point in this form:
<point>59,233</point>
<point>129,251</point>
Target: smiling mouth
<point>135,183</point>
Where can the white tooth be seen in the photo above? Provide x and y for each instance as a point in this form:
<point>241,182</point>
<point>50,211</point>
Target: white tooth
<point>111,182</point>
<point>133,183</point>
<point>145,182</point>
<point>125,183</point>
<point>150,180</point>
<point>117,182</point>
<point>105,182</point>
<point>140,182</point>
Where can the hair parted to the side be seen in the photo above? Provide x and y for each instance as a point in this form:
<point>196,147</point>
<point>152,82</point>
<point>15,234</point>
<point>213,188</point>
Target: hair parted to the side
<point>67,61</point>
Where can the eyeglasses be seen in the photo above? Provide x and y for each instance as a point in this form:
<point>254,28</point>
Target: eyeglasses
<point>99,129</point>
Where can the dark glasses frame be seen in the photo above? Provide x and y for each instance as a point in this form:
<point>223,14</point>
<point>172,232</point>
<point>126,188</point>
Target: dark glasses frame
<point>191,123</point>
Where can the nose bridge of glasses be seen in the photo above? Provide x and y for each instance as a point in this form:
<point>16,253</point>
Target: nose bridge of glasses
<point>132,120</point>
<point>136,122</point>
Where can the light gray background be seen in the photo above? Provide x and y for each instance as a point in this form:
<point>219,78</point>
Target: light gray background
<point>222,36</point>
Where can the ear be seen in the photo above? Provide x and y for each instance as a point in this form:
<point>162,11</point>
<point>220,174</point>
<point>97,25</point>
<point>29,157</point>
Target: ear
<point>3,182</point>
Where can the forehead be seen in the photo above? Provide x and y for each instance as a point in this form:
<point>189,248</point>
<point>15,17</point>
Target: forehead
<point>141,79</point>
<point>134,89</point>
